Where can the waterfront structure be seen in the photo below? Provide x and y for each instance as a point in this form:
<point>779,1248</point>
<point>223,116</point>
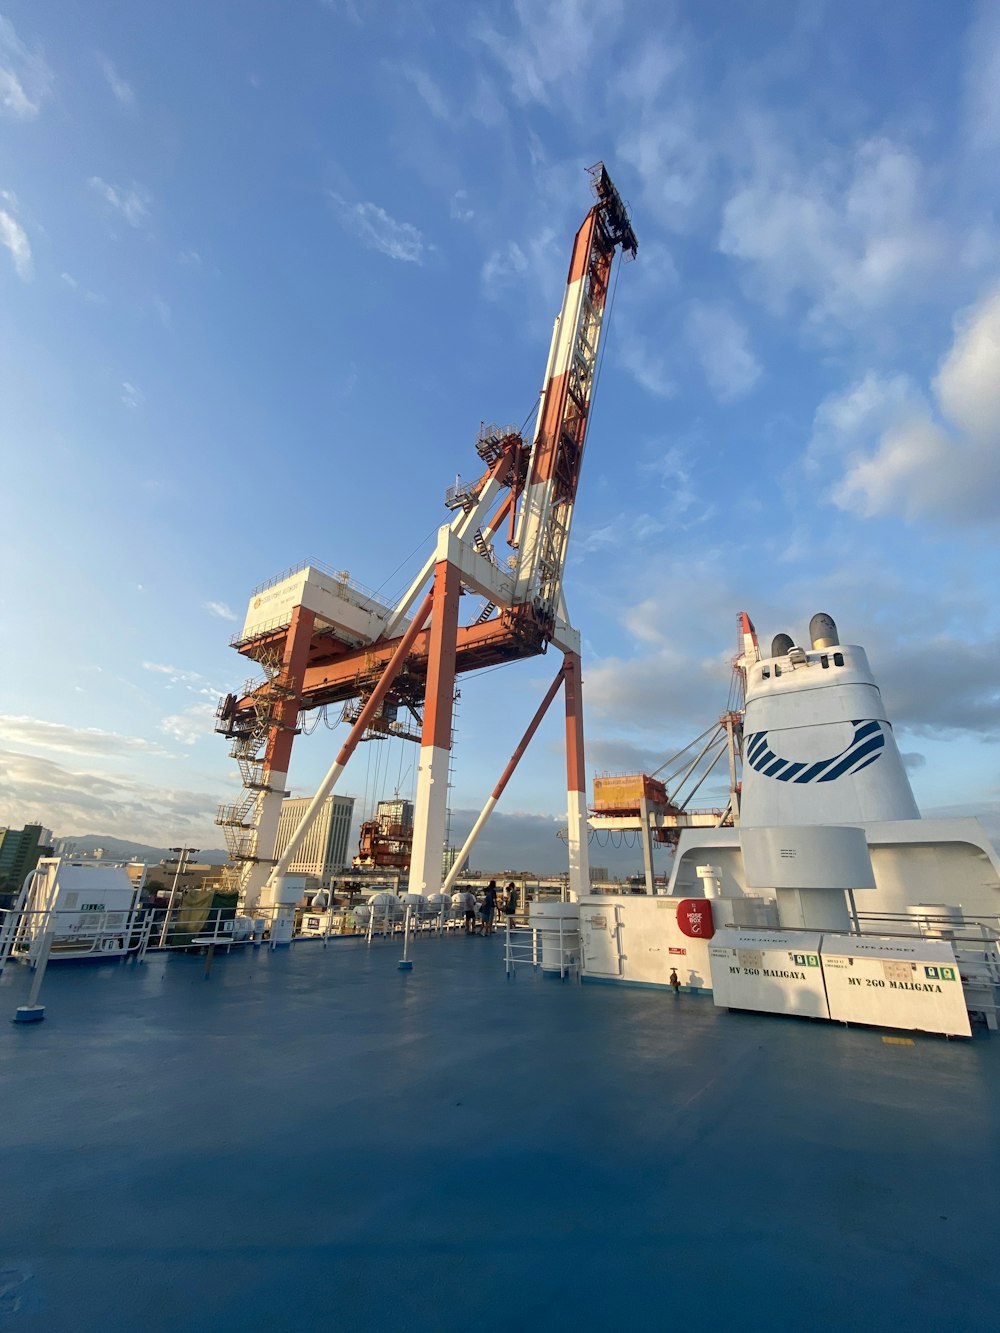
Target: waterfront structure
<point>323,852</point>
<point>20,850</point>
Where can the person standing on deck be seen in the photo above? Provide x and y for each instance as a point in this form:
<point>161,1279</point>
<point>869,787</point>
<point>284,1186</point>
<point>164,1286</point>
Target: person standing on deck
<point>510,902</point>
<point>465,902</point>
<point>489,907</point>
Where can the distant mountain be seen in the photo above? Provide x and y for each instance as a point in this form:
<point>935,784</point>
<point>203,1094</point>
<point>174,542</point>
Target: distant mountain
<point>118,849</point>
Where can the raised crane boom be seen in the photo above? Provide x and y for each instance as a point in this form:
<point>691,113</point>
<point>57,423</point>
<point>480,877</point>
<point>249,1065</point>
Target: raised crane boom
<point>557,449</point>
<point>321,639</point>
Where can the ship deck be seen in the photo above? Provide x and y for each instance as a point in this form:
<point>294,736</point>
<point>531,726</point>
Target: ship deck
<point>311,1138</point>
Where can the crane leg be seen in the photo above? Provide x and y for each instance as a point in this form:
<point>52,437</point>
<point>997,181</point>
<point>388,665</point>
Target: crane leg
<point>576,781</point>
<point>431,804</point>
<point>279,753</point>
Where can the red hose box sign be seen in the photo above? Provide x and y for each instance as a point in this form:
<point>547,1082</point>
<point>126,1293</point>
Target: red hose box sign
<point>694,918</point>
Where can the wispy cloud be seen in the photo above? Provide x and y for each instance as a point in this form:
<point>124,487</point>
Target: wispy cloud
<point>132,203</point>
<point>982,80</point>
<point>221,610</point>
<point>550,47</point>
<point>508,262</point>
<point>347,8</point>
<point>25,78</point>
<point>459,207</point>
<point>131,396</point>
<point>722,345</point>
<point>37,733</point>
<point>850,234</point>
<point>377,230</point>
<point>191,725</point>
<point>427,90</point>
<point>73,284</point>
<point>78,801</point>
<point>123,91</point>
<point>175,674</point>
<point>14,238</point>
<point>649,368</point>
<point>943,465</point>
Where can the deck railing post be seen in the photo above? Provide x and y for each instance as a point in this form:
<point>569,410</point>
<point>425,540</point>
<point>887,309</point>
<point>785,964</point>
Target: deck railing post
<point>33,1012</point>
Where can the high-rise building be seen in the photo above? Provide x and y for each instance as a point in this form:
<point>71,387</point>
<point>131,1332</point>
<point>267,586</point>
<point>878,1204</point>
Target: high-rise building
<point>19,853</point>
<point>323,852</point>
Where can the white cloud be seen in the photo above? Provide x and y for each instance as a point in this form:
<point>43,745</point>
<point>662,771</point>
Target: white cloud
<point>14,238</point>
<point>629,692</point>
<point>982,80</point>
<point>847,236</point>
<point>131,203</point>
<point>459,207</point>
<point>123,91</point>
<point>649,368</point>
<point>221,610</point>
<point>502,265</point>
<point>378,231</point>
<point>35,732</point>
<point>968,382</point>
<point>73,284</point>
<point>672,159</point>
<point>131,396</point>
<point>947,468</point>
<point>851,419</point>
<point>536,264</point>
<point>721,344</point>
<point>175,674</point>
<point>79,801</point>
<point>552,46</point>
<point>25,78</point>
<point>191,725</point>
<point>346,7</point>
<point>428,91</point>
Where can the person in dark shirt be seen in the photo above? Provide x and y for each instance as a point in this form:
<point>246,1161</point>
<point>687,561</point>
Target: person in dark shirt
<point>489,906</point>
<point>510,901</point>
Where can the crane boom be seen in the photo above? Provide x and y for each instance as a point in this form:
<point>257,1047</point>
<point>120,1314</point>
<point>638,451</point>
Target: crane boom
<point>557,449</point>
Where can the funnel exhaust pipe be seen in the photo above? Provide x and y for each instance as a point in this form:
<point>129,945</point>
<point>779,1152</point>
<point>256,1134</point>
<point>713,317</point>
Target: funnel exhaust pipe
<point>823,631</point>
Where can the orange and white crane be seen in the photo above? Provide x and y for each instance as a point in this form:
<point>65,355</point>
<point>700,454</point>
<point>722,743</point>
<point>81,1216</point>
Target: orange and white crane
<point>321,639</point>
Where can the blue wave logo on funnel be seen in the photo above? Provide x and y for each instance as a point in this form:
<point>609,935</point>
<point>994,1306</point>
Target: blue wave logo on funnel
<point>866,746</point>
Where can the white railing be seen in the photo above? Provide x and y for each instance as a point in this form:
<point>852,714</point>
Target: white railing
<point>558,952</point>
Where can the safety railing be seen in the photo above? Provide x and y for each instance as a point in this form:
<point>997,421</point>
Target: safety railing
<point>554,949</point>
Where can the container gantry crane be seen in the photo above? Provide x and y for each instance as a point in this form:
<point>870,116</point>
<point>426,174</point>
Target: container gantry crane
<point>321,639</point>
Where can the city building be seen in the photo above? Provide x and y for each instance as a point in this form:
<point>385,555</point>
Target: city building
<point>19,853</point>
<point>323,853</point>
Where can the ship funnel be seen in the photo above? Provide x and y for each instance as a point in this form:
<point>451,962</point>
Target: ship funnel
<point>781,644</point>
<point>823,631</point>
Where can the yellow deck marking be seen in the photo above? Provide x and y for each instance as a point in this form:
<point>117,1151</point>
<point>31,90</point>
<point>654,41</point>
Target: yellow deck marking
<point>898,1041</point>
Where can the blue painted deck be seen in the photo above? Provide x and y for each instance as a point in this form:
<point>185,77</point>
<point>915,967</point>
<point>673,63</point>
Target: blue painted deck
<point>312,1139</point>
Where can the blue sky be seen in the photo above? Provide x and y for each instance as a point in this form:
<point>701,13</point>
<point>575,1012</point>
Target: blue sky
<point>264,268</point>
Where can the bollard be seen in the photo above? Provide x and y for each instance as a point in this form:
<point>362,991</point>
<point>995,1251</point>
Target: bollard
<point>33,1012</point>
<point>405,965</point>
